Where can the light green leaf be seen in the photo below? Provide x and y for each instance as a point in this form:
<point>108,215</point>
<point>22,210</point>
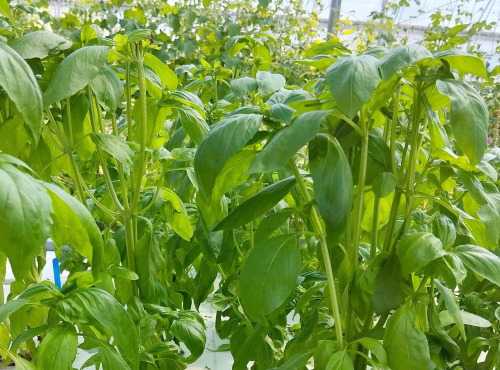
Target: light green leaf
<point>193,122</point>
<point>468,118</point>
<point>401,57</point>
<point>417,250</point>
<point>452,305</point>
<point>287,142</point>
<point>115,147</point>
<point>243,86</point>
<point>75,72</point>
<point>406,346</point>
<point>340,361</point>
<point>257,204</point>
<point>5,11</point>
<point>468,319</point>
<point>463,62</point>
<point>375,347</point>
<point>25,215</point>
<point>352,81</point>
<point>10,307</point>
<point>481,261</point>
<point>39,44</point>
<point>225,139</point>
<point>108,89</point>
<point>112,315</point>
<point>58,349</point>
<point>75,226</point>
<point>332,181</point>
<point>269,82</point>
<point>269,275</point>
<point>18,81</point>
<point>168,78</point>
<point>122,272</point>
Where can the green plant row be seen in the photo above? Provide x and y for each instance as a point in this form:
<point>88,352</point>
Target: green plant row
<point>361,203</point>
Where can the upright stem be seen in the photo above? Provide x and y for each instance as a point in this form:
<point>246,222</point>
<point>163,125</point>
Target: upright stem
<point>143,123</point>
<point>326,256</point>
<point>128,93</point>
<point>394,125</point>
<point>376,210</point>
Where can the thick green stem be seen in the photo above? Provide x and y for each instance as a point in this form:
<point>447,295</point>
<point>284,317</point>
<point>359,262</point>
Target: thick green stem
<point>326,256</point>
<point>143,122</point>
<point>394,125</point>
<point>376,211</point>
<point>128,94</point>
<point>130,245</point>
<point>100,154</point>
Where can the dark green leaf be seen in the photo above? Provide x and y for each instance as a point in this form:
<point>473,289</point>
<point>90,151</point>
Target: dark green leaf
<point>352,81</point>
<point>257,204</point>
<point>269,275</point>
<point>224,139</point>
<point>193,123</point>
<point>481,261</point>
<point>108,89</point>
<point>269,224</point>
<point>192,333</point>
<point>417,250</point>
<point>287,142</point>
<point>269,82</point>
<point>332,182</point>
<point>115,147</point>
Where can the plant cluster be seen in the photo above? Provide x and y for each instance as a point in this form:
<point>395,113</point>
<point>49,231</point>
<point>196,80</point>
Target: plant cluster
<point>358,199</point>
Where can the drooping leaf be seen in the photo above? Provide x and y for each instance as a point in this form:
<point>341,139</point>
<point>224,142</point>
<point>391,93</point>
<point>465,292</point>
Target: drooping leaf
<point>192,333</point>
<point>194,124</point>
<point>352,81</point>
<point>401,57</point>
<point>108,89</point>
<point>406,346</point>
<point>269,275</point>
<point>75,72</point>
<point>468,118</point>
<point>468,319</point>
<point>10,307</point>
<point>112,315</point>
<point>74,225</point>
<point>481,261</point>
<point>58,349</point>
<point>417,250</point>
<point>39,44</point>
<point>269,224</point>
<point>18,81</point>
<point>282,113</point>
<point>257,204</point>
<point>332,181</point>
<point>168,78</point>
<point>452,305</point>
<point>391,286</point>
<point>115,147</point>
<point>463,62</point>
<point>225,139</point>
<point>287,142</point>
<point>243,86</point>
<point>25,215</point>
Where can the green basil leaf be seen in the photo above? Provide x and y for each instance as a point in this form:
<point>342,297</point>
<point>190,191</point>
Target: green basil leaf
<point>108,88</point>
<point>463,62</point>
<point>58,349</point>
<point>468,118</point>
<point>269,275</point>
<point>401,57</point>
<point>481,261</point>
<point>417,250</point>
<point>406,346</point>
<point>39,44</point>
<point>257,204</point>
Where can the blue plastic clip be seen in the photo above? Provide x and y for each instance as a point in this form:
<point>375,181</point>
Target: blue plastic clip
<point>57,273</point>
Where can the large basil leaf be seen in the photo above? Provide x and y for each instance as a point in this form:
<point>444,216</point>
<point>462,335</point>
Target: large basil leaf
<point>417,250</point>
<point>75,226</point>
<point>115,147</point>
<point>257,204</point>
<point>112,315</point>
<point>481,261</point>
<point>25,215</point>
<point>224,140</point>
<point>402,57</point>
<point>193,122</point>
<point>340,361</point>
<point>75,72</point>
<point>269,275</point>
<point>269,82</point>
<point>463,62</point>
<point>406,346</point>
<point>468,118</point>
<point>352,81</point>
<point>18,81</point>
<point>332,180</point>
<point>108,89</point>
<point>58,349</point>
<point>192,333</point>
<point>39,44</point>
<point>287,142</point>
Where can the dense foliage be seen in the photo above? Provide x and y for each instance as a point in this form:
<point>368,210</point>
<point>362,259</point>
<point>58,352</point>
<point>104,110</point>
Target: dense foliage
<point>349,190</point>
